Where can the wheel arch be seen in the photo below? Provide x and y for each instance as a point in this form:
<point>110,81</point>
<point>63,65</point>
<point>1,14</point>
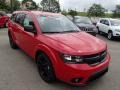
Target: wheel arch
<point>45,49</point>
<point>110,30</point>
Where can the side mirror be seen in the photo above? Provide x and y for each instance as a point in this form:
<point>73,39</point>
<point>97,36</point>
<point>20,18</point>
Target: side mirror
<point>30,29</point>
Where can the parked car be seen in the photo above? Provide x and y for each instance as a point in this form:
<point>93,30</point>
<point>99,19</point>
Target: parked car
<point>60,50</point>
<point>3,19</point>
<point>85,24</point>
<point>109,26</point>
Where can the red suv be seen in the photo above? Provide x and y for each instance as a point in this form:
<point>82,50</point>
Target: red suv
<point>60,50</point>
<point>3,19</point>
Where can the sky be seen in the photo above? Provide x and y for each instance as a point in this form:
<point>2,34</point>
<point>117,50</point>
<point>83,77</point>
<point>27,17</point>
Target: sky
<point>82,5</point>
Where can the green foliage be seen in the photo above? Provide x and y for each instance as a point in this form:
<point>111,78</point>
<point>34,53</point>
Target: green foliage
<point>108,15</point>
<point>16,5</point>
<point>82,13</point>
<point>7,7</point>
<point>64,12</point>
<point>72,13</point>
<point>116,12</point>
<point>3,4</point>
<point>96,10</point>
<point>50,6</point>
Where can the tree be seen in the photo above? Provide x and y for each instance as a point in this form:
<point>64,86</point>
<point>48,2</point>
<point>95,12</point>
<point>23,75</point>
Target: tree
<point>64,12</point>
<point>15,5</point>
<point>96,10</point>
<point>72,13</point>
<point>3,5</point>
<point>116,12</point>
<point>33,4</point>
<point>50,6</point>
<point>8,6</point>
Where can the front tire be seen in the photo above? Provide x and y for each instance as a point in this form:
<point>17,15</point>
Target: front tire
<point>110,35</point>
<point>45,68</point>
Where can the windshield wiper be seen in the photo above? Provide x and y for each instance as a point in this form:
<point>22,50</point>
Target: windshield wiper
<point>50,32</point>
<point>70,31</point>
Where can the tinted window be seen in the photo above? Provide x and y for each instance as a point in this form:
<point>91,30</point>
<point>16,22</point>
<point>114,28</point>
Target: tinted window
<point>28,21</point>
<point>56,24</point>
<point>115,22</point>
<point>106,22</point>
<point>84,20</point>
<point>19,18</point>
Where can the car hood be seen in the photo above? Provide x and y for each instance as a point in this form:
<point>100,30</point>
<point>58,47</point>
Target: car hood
<point>74,43</point>
<point>85,25</point>
<point>115,27</point>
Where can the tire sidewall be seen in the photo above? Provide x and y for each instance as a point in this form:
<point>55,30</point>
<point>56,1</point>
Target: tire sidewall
<point>52,76</point>
<point>110,35</point>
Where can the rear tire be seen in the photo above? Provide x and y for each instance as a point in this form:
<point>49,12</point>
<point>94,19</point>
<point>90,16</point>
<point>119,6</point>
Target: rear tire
<point>45,68</point>
<point>12,43</point>
<point>6,25</point>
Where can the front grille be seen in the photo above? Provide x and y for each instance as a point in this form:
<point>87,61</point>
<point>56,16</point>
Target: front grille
<point>86,29</point>
<point>96,58</point>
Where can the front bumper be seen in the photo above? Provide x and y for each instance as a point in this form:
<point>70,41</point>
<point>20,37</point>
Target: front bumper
<point>116,34</point>
<point>81,74</point>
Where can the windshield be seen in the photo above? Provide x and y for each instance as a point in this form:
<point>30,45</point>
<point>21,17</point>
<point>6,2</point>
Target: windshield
<point>83,20</point>
<point>56,24</point>
<point>115,22</point>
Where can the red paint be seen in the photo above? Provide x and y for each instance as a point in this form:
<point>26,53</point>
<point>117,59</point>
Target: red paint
<point>3,20</point>
<point>53,44</point>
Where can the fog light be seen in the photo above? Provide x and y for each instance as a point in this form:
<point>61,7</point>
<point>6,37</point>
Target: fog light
<point>76,80</point>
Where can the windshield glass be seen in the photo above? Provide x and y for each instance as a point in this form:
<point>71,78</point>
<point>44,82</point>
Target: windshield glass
<point>56,24</point>
<point>115,22</point>
<point>83,20</point>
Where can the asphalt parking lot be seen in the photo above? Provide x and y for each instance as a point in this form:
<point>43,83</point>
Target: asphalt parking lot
<point>19,72</point>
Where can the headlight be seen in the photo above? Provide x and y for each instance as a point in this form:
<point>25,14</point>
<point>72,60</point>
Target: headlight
<point>72,59</point>
<point>118,30</point>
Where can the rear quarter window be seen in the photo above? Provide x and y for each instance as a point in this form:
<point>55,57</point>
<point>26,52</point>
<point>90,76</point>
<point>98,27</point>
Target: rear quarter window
<point>13,17</point>
<point>20,18</point>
